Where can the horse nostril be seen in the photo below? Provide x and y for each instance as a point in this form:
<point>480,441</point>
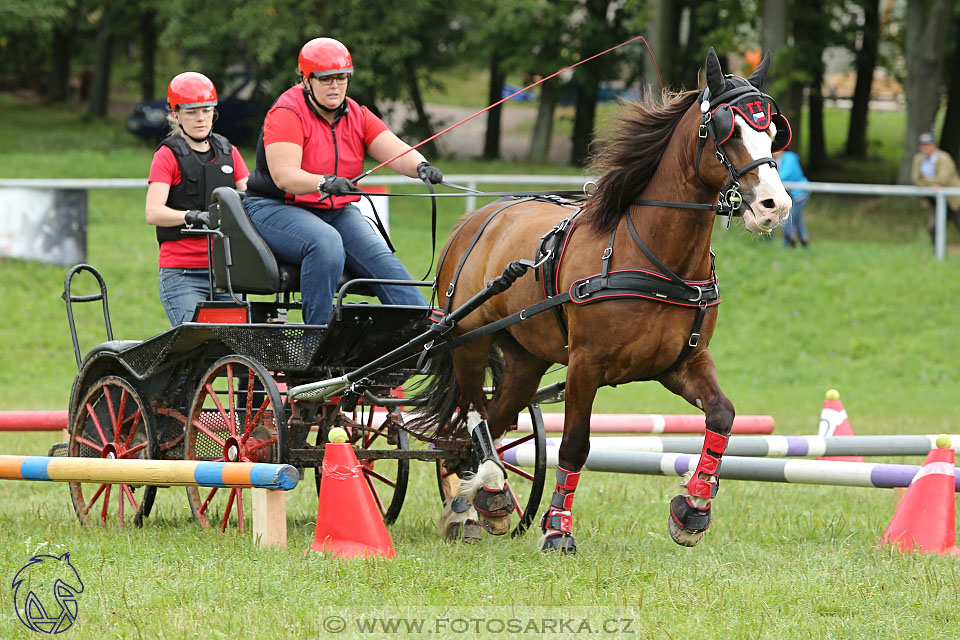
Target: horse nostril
<point>769,204</point>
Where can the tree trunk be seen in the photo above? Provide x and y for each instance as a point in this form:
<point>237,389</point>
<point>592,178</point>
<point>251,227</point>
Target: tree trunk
<point>588,86</point>
<point>491,141</point>
<point>422,127</point>
<point>789,94</point>
<point>926,31</point>
<point>817,158</point>
<point>662,45</point>
<point>543,128</point>
<point>148,51</point>
<point>950,136</point>
<point>60,69</point>
<point>866,63</point>
<point>100,95</point>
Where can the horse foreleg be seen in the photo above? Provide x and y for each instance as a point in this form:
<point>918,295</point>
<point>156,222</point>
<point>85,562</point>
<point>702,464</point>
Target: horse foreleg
<point>557,521</point>
<point>696,382</point>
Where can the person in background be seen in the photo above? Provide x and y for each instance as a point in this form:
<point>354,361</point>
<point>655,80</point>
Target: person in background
<point>300,195</point>
<point>187,166</point>
<point>933,167</point>
<point>794,228</point>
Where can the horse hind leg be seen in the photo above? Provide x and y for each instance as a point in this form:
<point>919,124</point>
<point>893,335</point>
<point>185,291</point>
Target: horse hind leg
<point>486,487</point>
<point>690,514</point>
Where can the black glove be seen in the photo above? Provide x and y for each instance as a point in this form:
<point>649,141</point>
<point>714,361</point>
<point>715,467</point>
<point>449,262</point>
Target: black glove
<point>197,219</point>
<point>429,173</point>
<point>336,186</point>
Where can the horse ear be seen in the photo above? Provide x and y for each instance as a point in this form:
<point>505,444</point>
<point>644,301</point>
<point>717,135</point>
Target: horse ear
<point>715,81</point>
<point>760,74</point>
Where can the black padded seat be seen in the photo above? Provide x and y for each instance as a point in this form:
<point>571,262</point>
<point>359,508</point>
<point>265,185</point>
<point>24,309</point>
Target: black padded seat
<point>254,268</point>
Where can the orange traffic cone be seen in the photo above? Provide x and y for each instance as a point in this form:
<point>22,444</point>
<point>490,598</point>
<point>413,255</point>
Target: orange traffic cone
<point>349,523</point>
<point>834,422</point>
<point>925,518</point>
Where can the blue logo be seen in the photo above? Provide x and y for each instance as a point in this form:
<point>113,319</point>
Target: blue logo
<point>43,581</point>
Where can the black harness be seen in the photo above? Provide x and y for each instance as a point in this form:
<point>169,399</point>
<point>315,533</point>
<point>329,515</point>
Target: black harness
<point>662,284</point>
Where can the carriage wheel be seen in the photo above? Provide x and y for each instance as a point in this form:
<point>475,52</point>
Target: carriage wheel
<point>111,422</point>
<point>524,484</point>
<point>385,477</point>
<point>236,416</point>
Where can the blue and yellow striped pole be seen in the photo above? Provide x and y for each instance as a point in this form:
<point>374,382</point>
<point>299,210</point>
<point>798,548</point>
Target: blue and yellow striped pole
<point>150,472</point>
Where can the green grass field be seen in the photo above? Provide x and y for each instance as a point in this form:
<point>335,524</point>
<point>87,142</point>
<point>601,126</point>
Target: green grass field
<point>866,309</point>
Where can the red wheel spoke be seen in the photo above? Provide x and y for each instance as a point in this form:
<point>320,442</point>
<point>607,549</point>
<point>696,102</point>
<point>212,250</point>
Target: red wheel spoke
<point>240,508</point>
<point>203,508</point>
<point>516,503</point>
<point>250,424</point>
<point>517,470</point>
<point>120,497</point>
<point>231,400</point>
<point>265,443</point>
<point>96,422</point>
<point>86,442</point>
<point>383,479</point>
<point>127,492</point>
<point>95,497</point>
<point>106,503</point>
<point>376,495</point>
<point>518,441</point>
<point>247,427</point>
<point>132,451</point>
<point>216,400</point>
<point>226,513</point>
<point>114,417</point>
<point>208,432</point>
<point>135,421</point>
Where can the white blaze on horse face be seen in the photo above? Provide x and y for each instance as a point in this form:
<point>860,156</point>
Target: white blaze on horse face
<point>770,204</point>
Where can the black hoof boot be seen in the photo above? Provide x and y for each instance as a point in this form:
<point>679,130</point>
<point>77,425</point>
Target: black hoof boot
<point>558,541</point>
<point>687,524</point>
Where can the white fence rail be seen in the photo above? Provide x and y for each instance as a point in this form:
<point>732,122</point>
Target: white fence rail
<point>473,181</point>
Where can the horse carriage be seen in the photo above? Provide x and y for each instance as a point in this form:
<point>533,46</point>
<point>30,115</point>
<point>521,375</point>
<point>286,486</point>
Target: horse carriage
<point>217,389</point>
<point>242,384</point>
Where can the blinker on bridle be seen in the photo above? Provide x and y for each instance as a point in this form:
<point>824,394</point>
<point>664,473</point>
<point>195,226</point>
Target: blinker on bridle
<point>730,199</point>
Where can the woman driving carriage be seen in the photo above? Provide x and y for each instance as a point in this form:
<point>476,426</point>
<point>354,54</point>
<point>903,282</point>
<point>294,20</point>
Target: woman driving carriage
<point>298,198</point>
<point>208,161</point>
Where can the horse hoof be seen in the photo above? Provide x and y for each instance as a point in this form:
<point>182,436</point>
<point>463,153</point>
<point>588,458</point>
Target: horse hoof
<point>468,532</point>
<point>558,541</point>
<point>686,523</point>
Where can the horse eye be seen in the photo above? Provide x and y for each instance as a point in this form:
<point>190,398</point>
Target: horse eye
<point>736,133</point>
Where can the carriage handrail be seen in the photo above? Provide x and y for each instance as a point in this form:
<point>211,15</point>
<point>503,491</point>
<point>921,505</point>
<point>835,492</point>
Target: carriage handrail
<point>70,299</point>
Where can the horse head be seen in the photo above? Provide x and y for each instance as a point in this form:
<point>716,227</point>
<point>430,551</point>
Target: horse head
<point>746,128</point>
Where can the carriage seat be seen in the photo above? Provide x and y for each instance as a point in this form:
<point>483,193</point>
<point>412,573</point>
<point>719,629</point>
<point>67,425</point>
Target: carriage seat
<point>255,270</point>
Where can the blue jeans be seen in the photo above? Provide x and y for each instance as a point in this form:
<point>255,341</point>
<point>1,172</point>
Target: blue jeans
<point>322,242</point>
<point>181,290</point>
<point>794,228</point>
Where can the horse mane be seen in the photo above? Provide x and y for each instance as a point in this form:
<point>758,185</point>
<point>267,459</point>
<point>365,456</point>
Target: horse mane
<point>628,155</point>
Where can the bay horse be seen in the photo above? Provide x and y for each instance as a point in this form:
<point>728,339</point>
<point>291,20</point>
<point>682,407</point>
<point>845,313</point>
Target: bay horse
<point>641,250</point>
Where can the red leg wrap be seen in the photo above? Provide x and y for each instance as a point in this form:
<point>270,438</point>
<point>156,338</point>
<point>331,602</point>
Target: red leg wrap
<point>558,517</point>
<point>714,445</point>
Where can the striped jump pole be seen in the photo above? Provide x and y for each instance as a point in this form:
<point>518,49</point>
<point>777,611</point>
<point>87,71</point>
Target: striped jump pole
<point>33,420</point>
<point>649,423</point>
<point>823,472</point>
<point>268,482</point>
<point>771,446</point>
<point>161,473</point>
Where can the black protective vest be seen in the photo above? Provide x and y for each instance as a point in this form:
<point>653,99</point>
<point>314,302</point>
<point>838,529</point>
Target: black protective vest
<point>198,179</point>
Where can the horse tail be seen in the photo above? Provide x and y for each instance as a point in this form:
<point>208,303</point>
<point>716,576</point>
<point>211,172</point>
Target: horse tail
<point>436,398</point>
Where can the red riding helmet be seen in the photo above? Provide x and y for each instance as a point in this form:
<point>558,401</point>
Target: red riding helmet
<point>324,57</point>
<point>191,89</point>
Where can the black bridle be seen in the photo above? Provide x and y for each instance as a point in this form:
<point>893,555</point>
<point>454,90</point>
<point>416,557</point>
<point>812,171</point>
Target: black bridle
<point>730,199</point>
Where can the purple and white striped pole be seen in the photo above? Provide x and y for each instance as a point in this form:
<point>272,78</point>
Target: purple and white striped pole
<point>823,472</point>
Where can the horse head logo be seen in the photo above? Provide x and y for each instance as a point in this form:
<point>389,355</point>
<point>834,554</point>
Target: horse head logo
<point>43,580</point>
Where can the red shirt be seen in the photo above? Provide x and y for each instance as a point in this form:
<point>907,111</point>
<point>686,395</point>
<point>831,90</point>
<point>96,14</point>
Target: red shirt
<point>290,120</point>
<point>188,253</point>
